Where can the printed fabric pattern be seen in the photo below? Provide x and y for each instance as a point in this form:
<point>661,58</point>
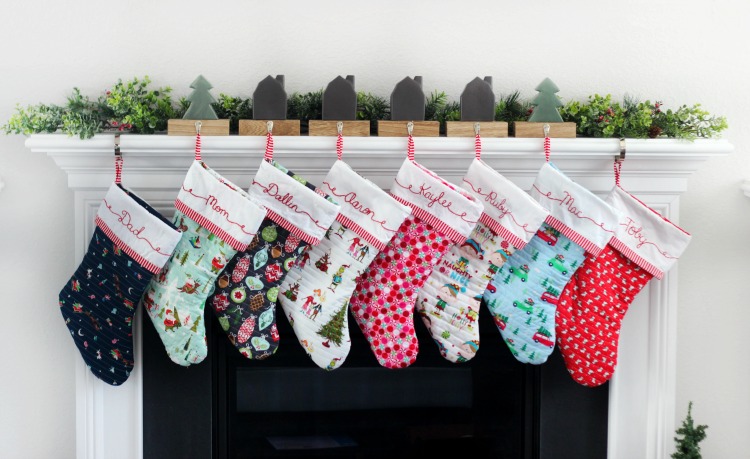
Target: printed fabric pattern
<point>590,313</point>
<point>176,296</point>
<point>383,300</point>
<point>450,298</point>
<point>98,304</point>
<point>523,295</point>
<point>246,295</point>
<point>315,294</point>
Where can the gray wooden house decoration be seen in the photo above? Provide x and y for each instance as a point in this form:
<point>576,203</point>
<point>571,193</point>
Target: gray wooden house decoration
<point>340,99</point>
<point>407,100</point>
<point>478,100</point>
<point>269,99</point>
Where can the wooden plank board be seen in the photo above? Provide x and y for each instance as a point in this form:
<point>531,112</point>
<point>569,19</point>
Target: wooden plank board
<point>351,128</point>
<point>259,127</point>
<point>398,128</point>
<point>536,130</point>
<point>187,127</point>
<point>466,128</point>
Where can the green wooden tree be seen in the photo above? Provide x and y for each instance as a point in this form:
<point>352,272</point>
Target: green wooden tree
<point>687,447</point>
<point>545,103</point>
<point>200,101</point>
<point>332,330</point>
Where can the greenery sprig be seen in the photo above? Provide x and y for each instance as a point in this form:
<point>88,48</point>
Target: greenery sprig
<point>134,107</point>
<point>688,446</point>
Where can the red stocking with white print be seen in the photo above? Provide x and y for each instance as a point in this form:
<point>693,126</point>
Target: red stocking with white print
<point>383,300</point>
<point>595,301</point>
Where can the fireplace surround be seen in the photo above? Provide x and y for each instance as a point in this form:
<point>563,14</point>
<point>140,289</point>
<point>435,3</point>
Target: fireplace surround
<point>640,415</point>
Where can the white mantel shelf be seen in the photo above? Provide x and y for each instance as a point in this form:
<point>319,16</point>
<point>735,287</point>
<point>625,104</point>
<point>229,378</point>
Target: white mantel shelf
<point>642,392</point>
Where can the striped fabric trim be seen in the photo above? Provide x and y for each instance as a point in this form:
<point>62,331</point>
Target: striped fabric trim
<point>126,248</point>
<point>500,230</point>
<point>573,235</point>
<point>435,222</point>
<point>206,223</point>
<point>349,223</point>
<point>289,226</point>
<point>635,258</point>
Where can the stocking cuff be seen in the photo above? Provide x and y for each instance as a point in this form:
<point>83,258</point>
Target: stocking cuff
<point>575,211</point>
<point>136,229</point>
<point>449,209</point>
<point>365,209</point>
<point>219,206</point>
<point>508,210</point>
<point>292,205</point>
<point>644,236</point>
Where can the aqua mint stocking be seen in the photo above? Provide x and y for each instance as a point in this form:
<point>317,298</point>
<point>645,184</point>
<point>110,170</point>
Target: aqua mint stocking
<point>315,297</point>
<point>217,219</point>
<point>131,242</point>
<point>245,299</point>
<point>526,289</point>
<point>449,301</point>
<point>383,300</point>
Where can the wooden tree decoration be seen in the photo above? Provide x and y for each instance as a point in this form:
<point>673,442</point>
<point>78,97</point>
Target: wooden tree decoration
<point>200,101</point>
<point>687,446</point>
<point>546,103</point>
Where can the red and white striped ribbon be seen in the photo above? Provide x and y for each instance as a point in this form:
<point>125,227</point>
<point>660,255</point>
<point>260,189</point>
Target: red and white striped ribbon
<point>118,169</point>
<point>617,167</point>
<point>410,148</point>
<point>546,148</point>
<point>340,146</point>
<point>478,146</point>
<point>269,147</point>
<point>198,156</point>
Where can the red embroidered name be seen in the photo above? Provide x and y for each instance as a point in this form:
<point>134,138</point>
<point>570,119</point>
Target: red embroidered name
<point>568,203</point>
<point>213,203</point>
<point>491,198</point>
<point>287,199</point>
<point>351,199</point>
<point>125,220</point>
<point>424,191</point>
<point>636,232</point>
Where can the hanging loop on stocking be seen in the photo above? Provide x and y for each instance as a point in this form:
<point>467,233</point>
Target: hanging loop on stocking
<point>546,142</point>
<point>340,140</point>
<point>118,160</point>
<point>269,141</point>
<point>618,162</point>
<point>198,126</point>
<point>410,144</point>
<point>477,142</point>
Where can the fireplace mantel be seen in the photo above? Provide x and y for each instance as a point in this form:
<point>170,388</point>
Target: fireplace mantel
<point>642,392</point>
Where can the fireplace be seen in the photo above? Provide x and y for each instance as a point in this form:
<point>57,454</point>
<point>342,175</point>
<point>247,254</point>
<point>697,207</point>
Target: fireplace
<point>638,416</point>
<point>285,406</point>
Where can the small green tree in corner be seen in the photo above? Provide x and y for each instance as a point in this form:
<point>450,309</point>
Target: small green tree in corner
<point>687,446</point>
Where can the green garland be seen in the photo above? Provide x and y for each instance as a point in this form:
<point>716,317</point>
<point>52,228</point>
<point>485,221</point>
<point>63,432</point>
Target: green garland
<point>132,106</point>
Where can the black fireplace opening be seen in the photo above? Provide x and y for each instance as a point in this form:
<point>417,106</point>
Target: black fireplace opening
<point>286,407</point>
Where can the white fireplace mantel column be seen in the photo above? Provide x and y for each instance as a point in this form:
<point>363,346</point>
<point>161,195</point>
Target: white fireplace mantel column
<point>642,392</point>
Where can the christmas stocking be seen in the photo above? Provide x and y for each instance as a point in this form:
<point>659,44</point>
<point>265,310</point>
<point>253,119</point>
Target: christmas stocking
<point>449,301</point>
<point>523,295</point>
<point>593,304</point>
<point>315,296</point>
<point>217,219</point>
<point>383,300</point>
<point>131,242</point>
<point>246,294</point>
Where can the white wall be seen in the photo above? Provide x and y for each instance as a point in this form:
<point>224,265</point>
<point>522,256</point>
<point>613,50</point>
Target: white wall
<point>677,51</point>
